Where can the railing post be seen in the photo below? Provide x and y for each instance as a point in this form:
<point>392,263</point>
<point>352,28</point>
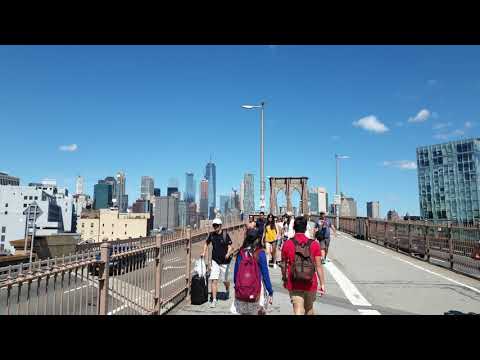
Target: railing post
<point>189,257</point>
<point>427,243</point>
<point>409,238</point>
<point>103,275</point>
<point>450,245</point>
<point>158,274</point>
<point>385,234</point>
<point>395,234</point>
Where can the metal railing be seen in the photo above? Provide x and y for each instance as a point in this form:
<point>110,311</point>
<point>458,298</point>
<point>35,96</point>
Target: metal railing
<point>124,277</point>
<point>450,246</point>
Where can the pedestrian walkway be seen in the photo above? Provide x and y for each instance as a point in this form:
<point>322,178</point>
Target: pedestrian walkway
<point>363,278</point>
<point>334,303</point>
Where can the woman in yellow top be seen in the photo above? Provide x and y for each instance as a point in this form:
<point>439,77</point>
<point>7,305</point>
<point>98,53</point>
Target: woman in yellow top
<point>271,237</point>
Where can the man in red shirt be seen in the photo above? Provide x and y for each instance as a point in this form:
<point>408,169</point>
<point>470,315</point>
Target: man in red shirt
<point>302,293</point>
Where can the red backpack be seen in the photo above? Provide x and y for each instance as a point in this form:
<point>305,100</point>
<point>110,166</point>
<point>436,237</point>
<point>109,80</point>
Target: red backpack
<point>248,282</point>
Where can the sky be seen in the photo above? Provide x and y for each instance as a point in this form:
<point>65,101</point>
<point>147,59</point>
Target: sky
<point>165,110</point>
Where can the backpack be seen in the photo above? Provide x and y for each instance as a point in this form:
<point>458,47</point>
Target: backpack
<point>302,269</point>
<point>248,282</point>
<point>321,234</point>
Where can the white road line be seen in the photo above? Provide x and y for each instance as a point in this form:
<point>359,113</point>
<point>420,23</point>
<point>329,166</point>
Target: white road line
<point>348,288</point>
<point>368,312</point>
<point>117,309</point>
<point>419,267</point>
<point>439,275</point>
<point>174,267</point>
<point>78,288</point>
<point>172,281</point>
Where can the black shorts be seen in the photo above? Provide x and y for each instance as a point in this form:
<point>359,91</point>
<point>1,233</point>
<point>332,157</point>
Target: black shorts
<point>325,243</point>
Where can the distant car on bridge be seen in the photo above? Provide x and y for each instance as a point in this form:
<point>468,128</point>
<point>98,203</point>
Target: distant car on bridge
<point>120,265</point>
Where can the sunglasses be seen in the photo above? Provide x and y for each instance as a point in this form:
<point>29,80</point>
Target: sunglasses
<point>215,225</point>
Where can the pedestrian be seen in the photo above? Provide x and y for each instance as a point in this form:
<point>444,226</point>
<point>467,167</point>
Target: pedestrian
<point>260,223</point>
<point>279,225</point>
<point>251,222</point>
<point>323,228</point>
<point>251,277</point>
<point>289,228</point>
<point>301,259</point>
<point>271,239</point>
<point>222,251</point>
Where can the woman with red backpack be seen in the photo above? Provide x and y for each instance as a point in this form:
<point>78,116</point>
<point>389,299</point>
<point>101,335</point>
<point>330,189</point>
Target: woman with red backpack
<point>250,276</point>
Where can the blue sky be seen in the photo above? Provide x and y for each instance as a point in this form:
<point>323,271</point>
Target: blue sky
<point>162,110</point>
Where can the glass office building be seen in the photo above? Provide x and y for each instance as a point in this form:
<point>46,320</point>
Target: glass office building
<point>448,181</point>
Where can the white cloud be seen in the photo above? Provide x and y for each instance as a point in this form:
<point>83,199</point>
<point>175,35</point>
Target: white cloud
<point>399,124</point>
<point>439,126</point>
<point>69,148</point>
<point>371,123</point>
<point>401,164</point>
<point>446,136</point>
<point>422,116</point>
<point>432,82</point>
<point>335,137</point>
<point>468,125</point>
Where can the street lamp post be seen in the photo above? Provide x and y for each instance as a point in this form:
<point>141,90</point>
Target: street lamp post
<point>262,177</point>
<point>337,190</point>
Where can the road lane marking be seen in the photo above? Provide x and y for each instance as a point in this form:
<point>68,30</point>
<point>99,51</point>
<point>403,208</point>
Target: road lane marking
<point>348,288</point>
<point>368,312</point>
<point>419,267</point>
<point>439,275</point>
<point>172,281</point>
<point>78,288</point>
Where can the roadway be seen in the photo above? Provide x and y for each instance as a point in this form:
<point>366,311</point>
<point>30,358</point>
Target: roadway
<point>78,294</point>
<point>363,278</point>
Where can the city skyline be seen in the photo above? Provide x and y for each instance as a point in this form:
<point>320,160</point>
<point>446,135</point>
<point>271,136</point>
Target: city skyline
<point>339,94</point>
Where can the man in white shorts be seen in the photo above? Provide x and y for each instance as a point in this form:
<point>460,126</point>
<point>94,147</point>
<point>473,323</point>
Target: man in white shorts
<point>221,258</point>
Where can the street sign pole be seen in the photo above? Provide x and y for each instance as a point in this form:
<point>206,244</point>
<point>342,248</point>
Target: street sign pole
<point>33,233</point>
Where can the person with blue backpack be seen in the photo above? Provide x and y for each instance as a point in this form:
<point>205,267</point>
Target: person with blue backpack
<point>323,235</point>
<point>250,277</point>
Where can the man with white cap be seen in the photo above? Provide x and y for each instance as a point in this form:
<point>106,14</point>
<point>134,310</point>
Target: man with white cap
<point>221,256</point>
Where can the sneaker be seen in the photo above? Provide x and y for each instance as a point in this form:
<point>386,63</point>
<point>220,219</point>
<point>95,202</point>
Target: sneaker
<point>227,295</point>
<point>213,303</point>
<point>275,266</point>
<point>323,262</point>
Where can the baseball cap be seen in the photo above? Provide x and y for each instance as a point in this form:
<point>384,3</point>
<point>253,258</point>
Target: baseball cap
<point>217,221</point>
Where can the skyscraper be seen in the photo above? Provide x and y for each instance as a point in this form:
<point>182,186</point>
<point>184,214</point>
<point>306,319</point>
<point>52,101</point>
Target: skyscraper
<point>166,212</point>
<point>348,206</point>
<point>234,200</point>
<point>113,183</point>
<point>248,197</point>
<point>102,198</point>
<point>146,189</point>
<point>210,175</point>
<point>189,187</point>
<point>156,192</point>
<point>242,195</point>
<point>204,198</point>
<point>171,190</point>
<point>182,213</point>
<point>321,200</point>
<point>80,185</point>
<point>192,214</point>
<point>313,200</point>
<point>122,199</point>
<point>373,209</point>
<point>392,215</point>
<point>6,179</point>
<point>224,203</point>
<point>449,181</point>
